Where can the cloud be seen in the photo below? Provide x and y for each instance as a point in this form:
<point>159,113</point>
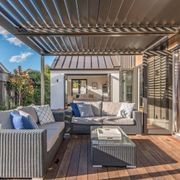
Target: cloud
<point>21,57</point>
<point>3,32</point>
<point>15,41</point>
<point>9,38</point>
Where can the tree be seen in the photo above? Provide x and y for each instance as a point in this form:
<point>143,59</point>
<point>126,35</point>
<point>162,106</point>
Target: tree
<point>36,78</point>
<point>23,86</point>
<point>47,84</point>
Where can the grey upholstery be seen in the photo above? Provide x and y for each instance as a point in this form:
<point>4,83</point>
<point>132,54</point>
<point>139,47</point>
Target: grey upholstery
<point>118,121</point>
<point>5,120</point>
<point>96,106</point>
<point>58,115</point>
<point>28,153</point>
<point>133,125</point>
<point>53,132</point>
<point>87,120</point>
<point>110,120</point>
<point>85,110</point>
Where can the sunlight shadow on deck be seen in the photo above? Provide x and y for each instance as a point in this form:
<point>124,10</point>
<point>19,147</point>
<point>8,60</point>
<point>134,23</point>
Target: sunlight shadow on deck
<point>75,161</point>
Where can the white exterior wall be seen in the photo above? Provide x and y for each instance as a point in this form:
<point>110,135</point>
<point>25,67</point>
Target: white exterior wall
<point>57,90</point>
<point>58,87</point>
<point>115,87</point>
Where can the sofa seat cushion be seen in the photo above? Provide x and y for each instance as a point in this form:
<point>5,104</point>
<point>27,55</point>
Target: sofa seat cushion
<point>114,120</point>
<point>87,120</point>
<point>53,131</point>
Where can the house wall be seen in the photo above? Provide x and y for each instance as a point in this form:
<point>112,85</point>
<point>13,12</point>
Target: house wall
<point>3,91</point>
<point>115,87</point>
<point>57,90</point>
<point>136,87</point>
<point>58,87</point>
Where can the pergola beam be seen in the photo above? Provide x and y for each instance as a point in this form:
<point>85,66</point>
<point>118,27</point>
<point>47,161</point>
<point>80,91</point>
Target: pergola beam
<point>90,53</point>
<point>100,31</point>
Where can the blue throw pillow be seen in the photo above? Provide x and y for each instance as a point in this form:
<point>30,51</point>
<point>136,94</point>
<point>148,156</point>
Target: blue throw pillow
<point>17,121</point>
<point>75,110</point>
<point>28,122</point>
<point>21,120</point>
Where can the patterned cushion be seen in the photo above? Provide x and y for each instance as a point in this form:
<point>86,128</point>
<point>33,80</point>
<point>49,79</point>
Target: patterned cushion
<point>85,110</point>
<point>44,114</point>
<point>125,110</point>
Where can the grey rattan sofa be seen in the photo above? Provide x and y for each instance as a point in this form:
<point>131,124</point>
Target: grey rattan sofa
<point>28,153</point>
<point>105,114</point>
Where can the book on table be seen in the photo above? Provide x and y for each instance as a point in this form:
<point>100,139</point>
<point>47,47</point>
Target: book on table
<point>107,133</point>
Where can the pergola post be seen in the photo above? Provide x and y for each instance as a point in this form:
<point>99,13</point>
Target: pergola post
<point>120,83</point>
<point>42,81</point>
<point>145,96</point>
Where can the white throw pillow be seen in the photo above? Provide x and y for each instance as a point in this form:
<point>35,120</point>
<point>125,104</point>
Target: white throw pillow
<point>44,114</point>
<point>85,110</point>
<point>125,110</point>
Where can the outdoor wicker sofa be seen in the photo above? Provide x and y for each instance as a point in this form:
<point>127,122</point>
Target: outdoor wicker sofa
<point>28,153</point>
<point>105,114</point>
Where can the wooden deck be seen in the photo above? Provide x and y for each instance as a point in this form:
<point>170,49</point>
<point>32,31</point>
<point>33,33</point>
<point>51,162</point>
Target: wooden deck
<point>158,158</point>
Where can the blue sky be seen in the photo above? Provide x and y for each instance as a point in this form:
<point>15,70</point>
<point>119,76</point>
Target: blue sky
<point>14,53</point>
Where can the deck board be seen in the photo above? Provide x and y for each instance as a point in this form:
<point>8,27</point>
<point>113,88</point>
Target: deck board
<point>158,157</point>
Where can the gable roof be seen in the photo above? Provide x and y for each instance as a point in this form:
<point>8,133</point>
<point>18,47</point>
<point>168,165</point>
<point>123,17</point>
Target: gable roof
<point>92,62</point>
<point>3,68</point>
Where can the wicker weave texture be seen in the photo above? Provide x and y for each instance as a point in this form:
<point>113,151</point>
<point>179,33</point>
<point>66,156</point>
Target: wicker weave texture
<point>113,155</point>
<point>22,153</point>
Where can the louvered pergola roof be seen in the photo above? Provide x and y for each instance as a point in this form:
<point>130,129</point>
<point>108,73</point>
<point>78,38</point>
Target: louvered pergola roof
<point>90,27</point>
